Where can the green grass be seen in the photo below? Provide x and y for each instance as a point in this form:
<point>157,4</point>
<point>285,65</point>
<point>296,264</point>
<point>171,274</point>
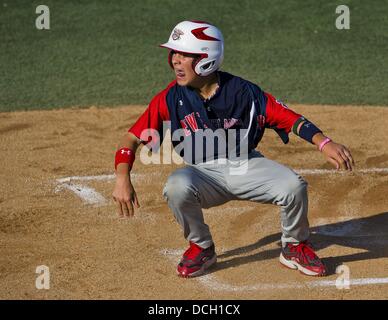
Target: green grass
<point>105,52</point>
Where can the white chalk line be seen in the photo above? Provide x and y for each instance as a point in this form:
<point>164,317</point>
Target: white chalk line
<point>88,178</point>
<point>91,196</point>
<point>331,171</point>
<point>211,282</point>
<point>87,194</point>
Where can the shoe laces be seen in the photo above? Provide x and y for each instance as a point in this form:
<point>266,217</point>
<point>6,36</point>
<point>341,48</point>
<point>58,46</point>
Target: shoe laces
<point>304,249</point>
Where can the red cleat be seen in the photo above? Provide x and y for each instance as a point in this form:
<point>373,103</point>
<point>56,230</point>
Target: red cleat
<point>301,256</point>
<point>196,260</point>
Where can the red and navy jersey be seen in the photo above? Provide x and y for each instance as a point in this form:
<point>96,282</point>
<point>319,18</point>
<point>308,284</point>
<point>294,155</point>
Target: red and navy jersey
<point>237,104</point>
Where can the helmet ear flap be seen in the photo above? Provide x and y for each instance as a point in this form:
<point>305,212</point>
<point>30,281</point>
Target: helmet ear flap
<point>208,65</point>
<point>205,68</point>
<point>197,65</point>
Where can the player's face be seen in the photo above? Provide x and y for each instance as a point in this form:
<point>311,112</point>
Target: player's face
<point>183,68</point>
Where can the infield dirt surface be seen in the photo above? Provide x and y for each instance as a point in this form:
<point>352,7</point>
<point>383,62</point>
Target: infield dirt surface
<point>92,254</point>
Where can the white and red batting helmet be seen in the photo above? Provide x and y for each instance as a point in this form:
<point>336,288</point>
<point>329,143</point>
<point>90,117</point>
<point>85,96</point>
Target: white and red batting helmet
<point>198,37</point>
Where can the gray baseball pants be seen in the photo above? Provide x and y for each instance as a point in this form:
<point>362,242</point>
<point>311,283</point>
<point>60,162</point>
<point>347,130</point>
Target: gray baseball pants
<point>207,185</point>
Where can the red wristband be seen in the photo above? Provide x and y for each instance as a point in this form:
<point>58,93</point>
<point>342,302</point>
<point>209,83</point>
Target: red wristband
<point>323,143</point>
<point>124,155</point>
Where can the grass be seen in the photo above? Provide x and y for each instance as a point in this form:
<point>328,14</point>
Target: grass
<point>105,52</point>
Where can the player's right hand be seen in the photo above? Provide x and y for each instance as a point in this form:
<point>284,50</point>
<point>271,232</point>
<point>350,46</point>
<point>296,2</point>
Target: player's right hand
<point>125,196</point>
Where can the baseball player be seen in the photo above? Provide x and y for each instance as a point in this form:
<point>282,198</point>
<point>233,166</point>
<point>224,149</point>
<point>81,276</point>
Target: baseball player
<point>201,101</point>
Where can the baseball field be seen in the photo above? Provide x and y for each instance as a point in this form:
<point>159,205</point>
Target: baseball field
<point>68,93</point>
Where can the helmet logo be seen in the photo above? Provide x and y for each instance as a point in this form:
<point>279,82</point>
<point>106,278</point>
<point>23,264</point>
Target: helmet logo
<point>176,35</point>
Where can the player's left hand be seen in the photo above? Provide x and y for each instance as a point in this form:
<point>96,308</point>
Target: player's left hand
<point>338,155</point>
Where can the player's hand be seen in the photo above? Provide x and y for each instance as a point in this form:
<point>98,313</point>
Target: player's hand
<point>125,196</point>
<point>338,155</point>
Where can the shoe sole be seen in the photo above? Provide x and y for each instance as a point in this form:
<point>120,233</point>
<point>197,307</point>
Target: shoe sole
<point>296,266</point>
<point>203,269</point>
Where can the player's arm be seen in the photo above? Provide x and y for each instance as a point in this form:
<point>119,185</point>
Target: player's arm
<point>281,117</point>
<point>131,142</point>
<point>124,193</point>
<point>335,153</point>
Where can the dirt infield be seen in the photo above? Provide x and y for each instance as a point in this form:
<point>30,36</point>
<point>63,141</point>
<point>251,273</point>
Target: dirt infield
<point>91,254</point>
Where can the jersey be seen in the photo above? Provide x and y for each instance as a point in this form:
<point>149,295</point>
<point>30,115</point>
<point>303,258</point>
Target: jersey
<point>232,121</point>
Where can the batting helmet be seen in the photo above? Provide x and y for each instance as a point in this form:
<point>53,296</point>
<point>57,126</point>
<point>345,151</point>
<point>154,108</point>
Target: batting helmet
<point>197,37</point>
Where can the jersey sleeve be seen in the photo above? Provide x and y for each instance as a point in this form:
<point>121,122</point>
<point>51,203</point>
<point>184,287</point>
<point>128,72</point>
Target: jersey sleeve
<point>149,125</point>
<point>278,115</point>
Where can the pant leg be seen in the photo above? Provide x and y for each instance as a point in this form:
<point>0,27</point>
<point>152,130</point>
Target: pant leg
<point>187,191</point>
<point>267,181</point>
